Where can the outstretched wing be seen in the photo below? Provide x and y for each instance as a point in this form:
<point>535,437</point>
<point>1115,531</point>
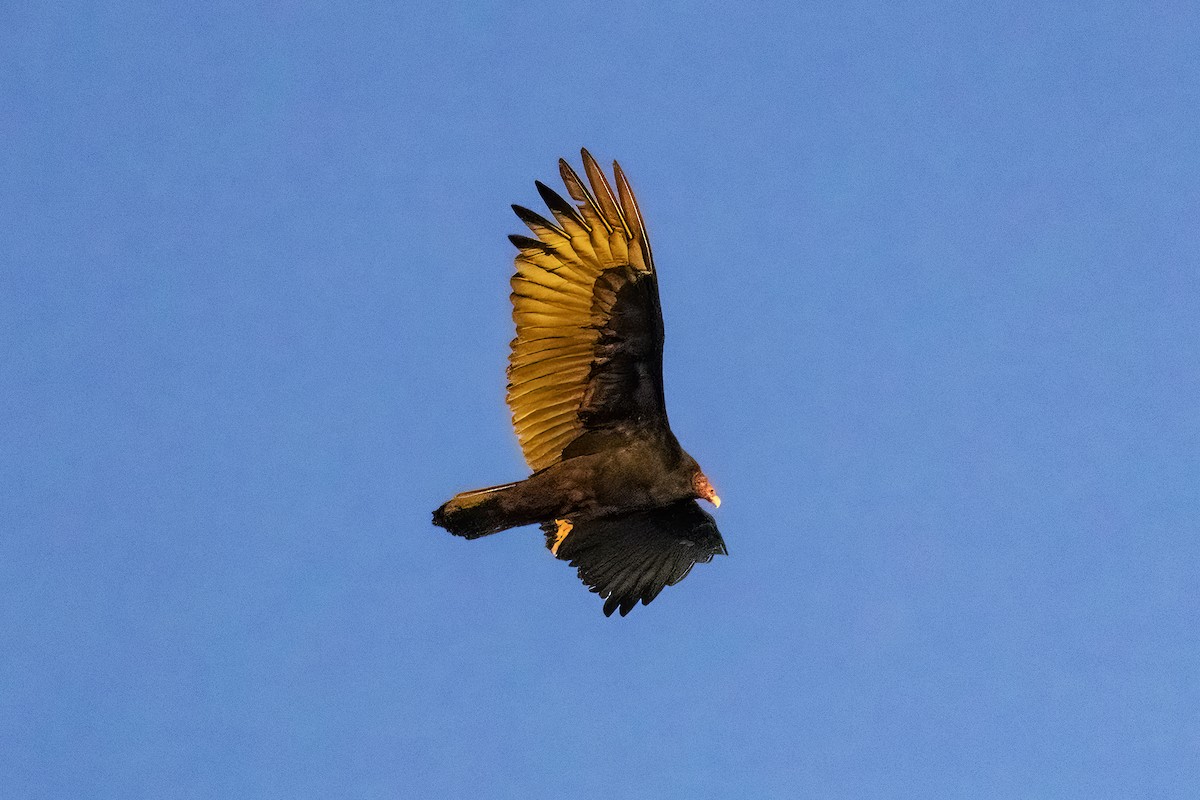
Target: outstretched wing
<point>631,557</point>
<point>588,351</point>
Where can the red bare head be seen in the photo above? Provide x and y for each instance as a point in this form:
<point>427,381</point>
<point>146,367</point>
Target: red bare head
<point>704,490</point>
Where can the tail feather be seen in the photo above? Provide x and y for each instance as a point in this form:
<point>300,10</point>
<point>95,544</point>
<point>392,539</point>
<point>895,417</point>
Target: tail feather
<point>477,513</point>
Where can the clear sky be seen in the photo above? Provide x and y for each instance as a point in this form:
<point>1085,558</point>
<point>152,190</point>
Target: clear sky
<point>932,299</point>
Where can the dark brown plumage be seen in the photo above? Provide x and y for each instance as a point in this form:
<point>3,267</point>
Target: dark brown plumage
<point>612,489</point>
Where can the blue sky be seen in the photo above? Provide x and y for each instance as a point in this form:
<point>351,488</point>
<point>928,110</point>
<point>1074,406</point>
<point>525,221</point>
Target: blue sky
<point>933,320</point>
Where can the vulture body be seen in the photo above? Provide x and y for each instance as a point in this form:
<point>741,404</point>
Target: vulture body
<point>612,489</point>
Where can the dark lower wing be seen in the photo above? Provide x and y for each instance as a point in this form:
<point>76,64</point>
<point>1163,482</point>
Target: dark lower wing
<point>631,557</point>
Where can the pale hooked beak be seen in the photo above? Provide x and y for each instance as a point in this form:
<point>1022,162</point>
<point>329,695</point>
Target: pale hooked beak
<point>705,490</point>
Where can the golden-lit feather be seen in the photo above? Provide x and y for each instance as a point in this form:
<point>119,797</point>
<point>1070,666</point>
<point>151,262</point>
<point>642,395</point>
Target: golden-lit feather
<point>604,196</point>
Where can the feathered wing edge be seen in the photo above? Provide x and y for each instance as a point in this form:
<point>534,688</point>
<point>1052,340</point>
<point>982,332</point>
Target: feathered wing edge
<point>632,557</point>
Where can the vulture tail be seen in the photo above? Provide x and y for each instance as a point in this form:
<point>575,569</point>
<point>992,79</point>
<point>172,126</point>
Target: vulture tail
<point>481,512</point>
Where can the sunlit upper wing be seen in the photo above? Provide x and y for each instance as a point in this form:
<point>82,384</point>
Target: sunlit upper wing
<point>588,351</point>
<point>631,557</point>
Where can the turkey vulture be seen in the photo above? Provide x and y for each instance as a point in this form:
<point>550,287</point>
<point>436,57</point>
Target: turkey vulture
<point>611,488</point>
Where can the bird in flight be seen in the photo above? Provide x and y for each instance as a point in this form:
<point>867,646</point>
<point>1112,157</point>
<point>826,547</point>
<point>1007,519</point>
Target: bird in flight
<point>611,488</point>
